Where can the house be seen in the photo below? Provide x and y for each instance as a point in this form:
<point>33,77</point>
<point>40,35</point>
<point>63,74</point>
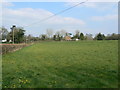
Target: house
<point>3,41</point>
<point>68,38</point>
<point>10,41</point>
<point>76,39</point>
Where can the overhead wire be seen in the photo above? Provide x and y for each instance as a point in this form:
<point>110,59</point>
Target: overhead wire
<point>42,20</point>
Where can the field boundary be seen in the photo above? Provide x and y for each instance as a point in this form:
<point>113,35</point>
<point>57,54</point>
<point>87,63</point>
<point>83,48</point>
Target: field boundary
<point>6,48</point>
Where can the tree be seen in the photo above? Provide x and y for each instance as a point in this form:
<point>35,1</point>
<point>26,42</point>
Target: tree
<point>63,33</point>
<point>54,37</point>
<point>77,34</point>
<point>58,35</point>
<point>29,38</point>
<point>49,32</point>
<point>112,37</point>
<point>81,36</point>
<point>3,33</point>
<point>103,36</point>
<point>100,36</point>
<point>66,34</point>
<point>19,33</point>
<point>43,37</point>
<point>88,37</point>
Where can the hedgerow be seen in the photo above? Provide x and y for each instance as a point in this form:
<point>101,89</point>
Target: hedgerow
<point>11,48</point>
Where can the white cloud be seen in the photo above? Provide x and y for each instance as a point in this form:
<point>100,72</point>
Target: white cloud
<point>29,16</point>
<point>101,6</point>
<point>6,4</point>
<point>34,15</point>
<point>105,18</point>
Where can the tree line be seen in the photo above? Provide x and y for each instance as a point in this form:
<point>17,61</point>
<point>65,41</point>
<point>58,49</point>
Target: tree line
<point>18,35</point>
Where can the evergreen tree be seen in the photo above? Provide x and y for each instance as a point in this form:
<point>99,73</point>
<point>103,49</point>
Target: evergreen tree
<point>100,36</point>
<point>18,34</point>
<point>81,36</point>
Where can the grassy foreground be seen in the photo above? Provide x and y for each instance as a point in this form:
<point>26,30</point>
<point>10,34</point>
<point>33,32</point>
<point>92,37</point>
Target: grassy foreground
<point>83,64</point>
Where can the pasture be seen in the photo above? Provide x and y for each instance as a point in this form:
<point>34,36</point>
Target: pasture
<point>70,64</point>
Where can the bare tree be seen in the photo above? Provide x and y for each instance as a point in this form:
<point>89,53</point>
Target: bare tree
<point>77,34</point>
<point>58,33</point>
<point>89,36</point>
<point>49,32</point>
<point>3,33</point>
<point>63,33</point>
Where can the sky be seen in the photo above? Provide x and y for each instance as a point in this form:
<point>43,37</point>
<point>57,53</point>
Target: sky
<point>90,17</point>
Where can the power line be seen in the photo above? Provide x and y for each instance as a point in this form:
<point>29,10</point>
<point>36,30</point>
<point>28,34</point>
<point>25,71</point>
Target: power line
<point>42,20</point>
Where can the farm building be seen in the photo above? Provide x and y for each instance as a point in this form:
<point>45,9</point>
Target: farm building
<point>68,38</point>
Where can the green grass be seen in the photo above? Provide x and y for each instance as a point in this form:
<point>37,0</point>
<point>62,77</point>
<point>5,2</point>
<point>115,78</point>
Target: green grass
<point>83,64</point>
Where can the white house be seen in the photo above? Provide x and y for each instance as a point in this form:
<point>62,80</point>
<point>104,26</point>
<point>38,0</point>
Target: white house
<point>76,39</point>
<point>4,40</point>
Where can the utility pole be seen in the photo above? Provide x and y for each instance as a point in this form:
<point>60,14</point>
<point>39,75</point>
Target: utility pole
<point>13,27</point>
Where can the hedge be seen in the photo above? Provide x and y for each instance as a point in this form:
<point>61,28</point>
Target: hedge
<point>5,48</point>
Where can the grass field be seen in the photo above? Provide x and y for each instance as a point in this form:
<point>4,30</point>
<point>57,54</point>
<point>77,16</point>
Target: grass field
<point>82,64</point>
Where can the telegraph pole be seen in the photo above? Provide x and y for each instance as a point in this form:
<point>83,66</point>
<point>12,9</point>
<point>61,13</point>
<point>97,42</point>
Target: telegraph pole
<point>13,27</point>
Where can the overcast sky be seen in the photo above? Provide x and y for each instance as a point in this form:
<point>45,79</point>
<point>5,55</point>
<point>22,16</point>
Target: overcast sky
<point>90,17</point>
